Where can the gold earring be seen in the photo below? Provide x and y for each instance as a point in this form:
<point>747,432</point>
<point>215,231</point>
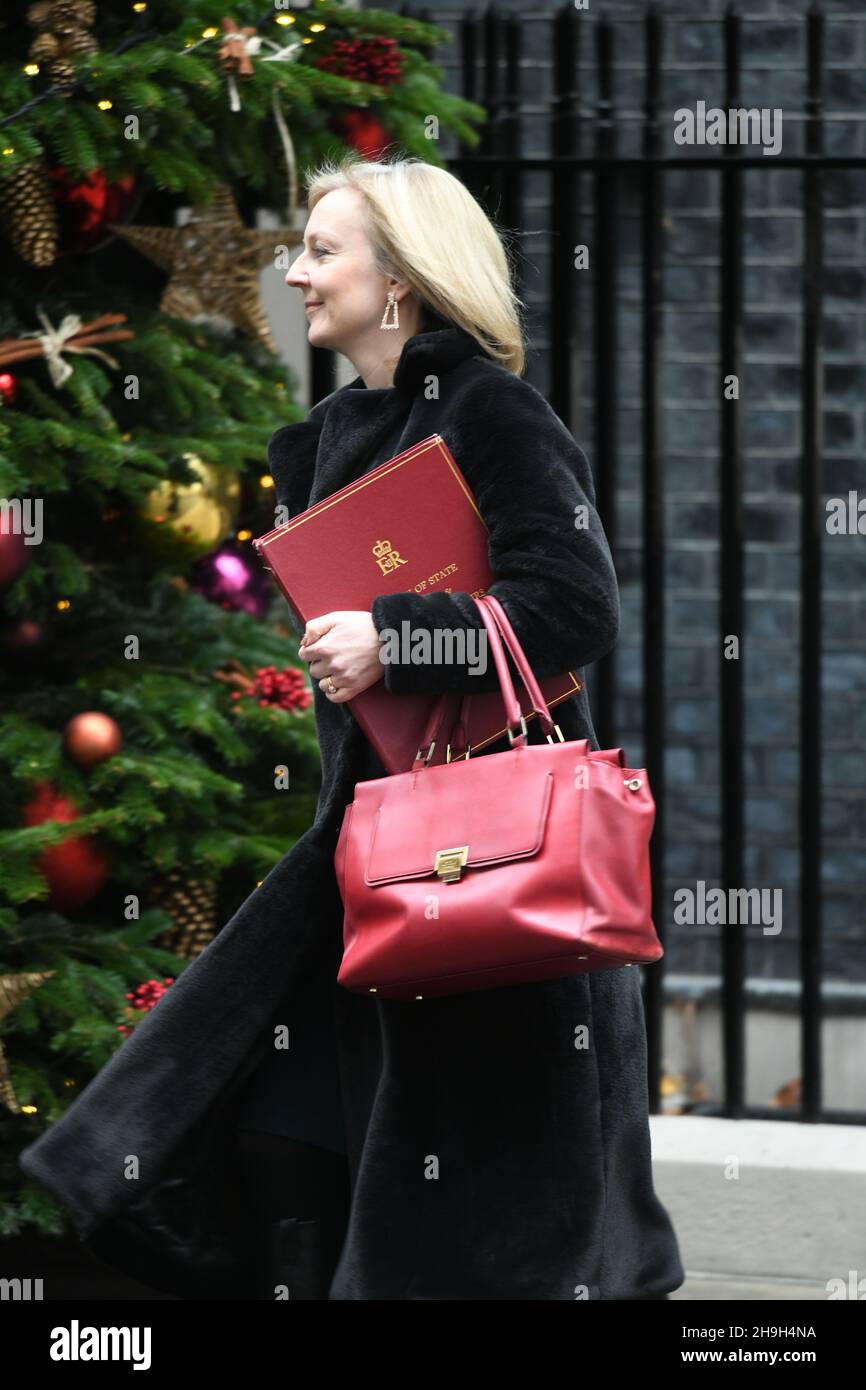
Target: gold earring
<point>392,303</point>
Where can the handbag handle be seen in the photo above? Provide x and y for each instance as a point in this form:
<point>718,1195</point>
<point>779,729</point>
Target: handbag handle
<point>527,675</point>
<point>494,616</point>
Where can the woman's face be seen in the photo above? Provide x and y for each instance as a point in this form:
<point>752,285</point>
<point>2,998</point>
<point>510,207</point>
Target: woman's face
<point>337,275</point>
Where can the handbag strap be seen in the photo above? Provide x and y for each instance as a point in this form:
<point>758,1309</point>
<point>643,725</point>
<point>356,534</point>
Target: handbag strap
<point>527,675</point>
<point>493,616</point>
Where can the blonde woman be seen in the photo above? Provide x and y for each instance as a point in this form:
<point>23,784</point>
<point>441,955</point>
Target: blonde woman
<point>468,1148</point>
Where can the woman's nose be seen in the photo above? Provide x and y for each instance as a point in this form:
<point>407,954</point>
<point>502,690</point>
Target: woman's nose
<point>293,275</point>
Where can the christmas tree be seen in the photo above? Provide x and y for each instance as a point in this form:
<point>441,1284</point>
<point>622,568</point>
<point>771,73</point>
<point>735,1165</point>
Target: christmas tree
<point>156,740</point>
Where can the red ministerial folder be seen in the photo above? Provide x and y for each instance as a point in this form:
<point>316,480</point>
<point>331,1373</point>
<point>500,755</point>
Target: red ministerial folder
<point>411,523</point>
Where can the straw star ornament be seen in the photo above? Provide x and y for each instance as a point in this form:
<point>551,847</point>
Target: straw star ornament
<point>213,263</point>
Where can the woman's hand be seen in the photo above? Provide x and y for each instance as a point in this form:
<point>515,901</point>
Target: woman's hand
<point>342,647</point>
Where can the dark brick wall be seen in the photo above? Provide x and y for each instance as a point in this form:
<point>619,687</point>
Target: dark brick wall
<point>773,76</point>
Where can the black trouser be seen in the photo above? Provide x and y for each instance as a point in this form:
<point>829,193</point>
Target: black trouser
<point>302,1194</point>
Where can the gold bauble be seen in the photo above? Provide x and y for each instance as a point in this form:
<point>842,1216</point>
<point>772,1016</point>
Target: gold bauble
<point>183,521</point>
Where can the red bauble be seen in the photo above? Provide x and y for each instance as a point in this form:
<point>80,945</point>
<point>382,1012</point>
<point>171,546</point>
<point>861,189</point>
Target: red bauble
<point>362,131</point>
<point>22,636</point>
<point>8,388</point>
<point>92,737</point>
<point>77,868</point>
<point>14,554</point>
<point>87,205</point>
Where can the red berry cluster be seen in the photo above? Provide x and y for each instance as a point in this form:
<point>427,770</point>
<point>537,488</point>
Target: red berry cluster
<point>286,689</point>
<point>144,998</point>
<point>364,60</point>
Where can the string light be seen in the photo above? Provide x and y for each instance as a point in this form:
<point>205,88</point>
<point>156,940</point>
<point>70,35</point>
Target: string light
<point>105,105</point>
<point>31,69</point>
<point>266,480</point>
<point>62,603</point>
<point>139,7</point>
<point>244,535</point>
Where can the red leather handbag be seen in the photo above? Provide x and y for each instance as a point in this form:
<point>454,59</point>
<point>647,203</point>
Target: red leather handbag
<point>519,866</point>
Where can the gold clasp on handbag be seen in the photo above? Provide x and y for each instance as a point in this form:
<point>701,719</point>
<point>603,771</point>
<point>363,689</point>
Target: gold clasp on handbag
<point>449,862</point>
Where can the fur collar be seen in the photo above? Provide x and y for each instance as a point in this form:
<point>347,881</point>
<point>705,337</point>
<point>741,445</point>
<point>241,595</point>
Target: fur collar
<point>311,460</point>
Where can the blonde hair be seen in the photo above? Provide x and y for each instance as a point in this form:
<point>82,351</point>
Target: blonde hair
<point>426,229</point>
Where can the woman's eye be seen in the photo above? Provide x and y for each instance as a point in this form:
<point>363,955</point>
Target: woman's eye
<point>323,249</point>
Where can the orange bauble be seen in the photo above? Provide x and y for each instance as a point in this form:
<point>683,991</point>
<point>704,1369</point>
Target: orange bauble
<point>91,737</point>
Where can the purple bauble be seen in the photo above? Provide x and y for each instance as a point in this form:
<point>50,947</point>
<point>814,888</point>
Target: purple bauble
<point>14,555</point>
<point>233,576</point>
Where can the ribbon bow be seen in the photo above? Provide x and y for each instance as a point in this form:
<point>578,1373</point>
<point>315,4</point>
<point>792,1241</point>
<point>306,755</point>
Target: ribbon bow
<point>56,341</point>
<point>237,47</point>
<point>236,55</point>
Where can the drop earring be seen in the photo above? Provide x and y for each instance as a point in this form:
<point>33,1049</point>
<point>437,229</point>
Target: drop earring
<point>392,304</point>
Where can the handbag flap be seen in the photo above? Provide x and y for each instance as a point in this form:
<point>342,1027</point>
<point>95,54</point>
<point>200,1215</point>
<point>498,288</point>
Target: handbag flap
<point>497,812</point>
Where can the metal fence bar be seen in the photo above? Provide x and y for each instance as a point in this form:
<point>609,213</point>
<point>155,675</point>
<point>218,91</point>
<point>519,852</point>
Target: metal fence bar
<point>565,133</point>
<point>493,172</point>
<point>604,258</point>
<point>634,163</point>
<point>731,589</point>
<point>811,514</point>
<point>652,364</point>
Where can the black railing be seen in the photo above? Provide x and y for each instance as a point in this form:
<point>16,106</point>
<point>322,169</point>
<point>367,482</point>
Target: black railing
<point>492,74</point>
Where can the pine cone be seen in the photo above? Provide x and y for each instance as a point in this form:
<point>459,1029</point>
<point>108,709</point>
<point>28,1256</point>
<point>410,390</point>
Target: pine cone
<point>61,72</point>
<point>192,904</point>
<point>39,15</point>
<point>29,214</point>
<point>69,15</point>
<point>43,49</point>
<point>78,43</point>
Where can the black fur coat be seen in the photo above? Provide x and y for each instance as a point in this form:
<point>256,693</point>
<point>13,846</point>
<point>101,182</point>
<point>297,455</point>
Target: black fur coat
<point>542,1182</point>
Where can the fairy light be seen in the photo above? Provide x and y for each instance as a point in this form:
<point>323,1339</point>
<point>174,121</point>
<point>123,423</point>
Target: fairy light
<point>9,149</point>
<point>31,69</point>
<point>266,480</point>
<point>62,603</point>
<point>244,535</point>
<point>286,19</point>
<point>105,104</point>
<point>139,7</point>
<point>318,28</point>
<point>209,33</point>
